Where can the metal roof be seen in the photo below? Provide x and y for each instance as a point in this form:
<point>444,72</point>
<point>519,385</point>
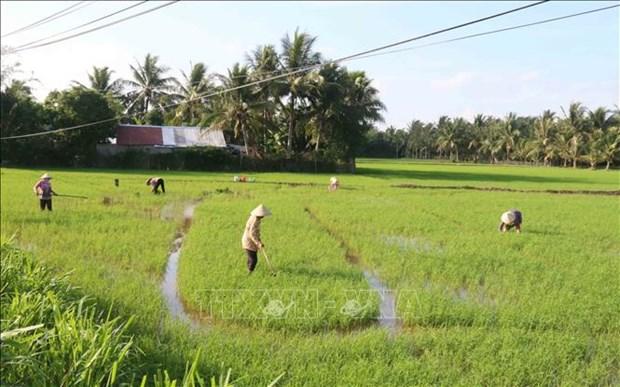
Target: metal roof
<point>175,136</point>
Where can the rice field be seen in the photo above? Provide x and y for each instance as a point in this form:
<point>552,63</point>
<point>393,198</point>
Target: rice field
<point>378,283</point>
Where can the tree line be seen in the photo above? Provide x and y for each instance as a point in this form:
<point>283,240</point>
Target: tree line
<point>328,113</point>
<point>579,136</point>
<point>324,113</point>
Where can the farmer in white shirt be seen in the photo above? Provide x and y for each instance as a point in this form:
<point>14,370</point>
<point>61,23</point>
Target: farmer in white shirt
<point>333,184</point>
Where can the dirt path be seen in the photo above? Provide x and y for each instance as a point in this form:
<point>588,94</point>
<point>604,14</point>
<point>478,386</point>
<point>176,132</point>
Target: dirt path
<point>500,189</point>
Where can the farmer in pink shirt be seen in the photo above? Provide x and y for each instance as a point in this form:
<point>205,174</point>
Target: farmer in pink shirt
<point>156,183</point>
<point>43,189</point>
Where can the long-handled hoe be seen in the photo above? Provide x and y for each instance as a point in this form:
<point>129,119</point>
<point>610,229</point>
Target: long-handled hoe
<point>273,272</point>
<point>72,196</point>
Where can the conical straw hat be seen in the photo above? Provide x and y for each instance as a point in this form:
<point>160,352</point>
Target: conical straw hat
<point>508,217</point>
<point>261,211</point>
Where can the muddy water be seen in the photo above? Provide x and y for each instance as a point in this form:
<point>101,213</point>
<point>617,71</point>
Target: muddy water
<point>169,286</point>
<point>387,308</point>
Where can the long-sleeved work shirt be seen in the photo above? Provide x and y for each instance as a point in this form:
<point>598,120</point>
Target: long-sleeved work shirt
<point>251,235</point>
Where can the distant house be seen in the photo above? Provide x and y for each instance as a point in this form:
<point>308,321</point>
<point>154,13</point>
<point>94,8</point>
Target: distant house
<point>168,136</point>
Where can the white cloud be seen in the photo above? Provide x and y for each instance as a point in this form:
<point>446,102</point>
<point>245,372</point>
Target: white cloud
<point>531,75</point>
<point>454,82</point>
<point>57,66</point>
<point>468,113</point>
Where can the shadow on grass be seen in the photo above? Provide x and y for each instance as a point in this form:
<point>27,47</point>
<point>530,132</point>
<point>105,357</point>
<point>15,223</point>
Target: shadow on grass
<point>383,173</point>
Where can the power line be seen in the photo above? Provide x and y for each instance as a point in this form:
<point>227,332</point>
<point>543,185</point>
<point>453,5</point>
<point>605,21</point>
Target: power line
<point>462,37</point>
<point>97,28</point>
<point>434,33</point>
<point>492,32</point>
<point>418,37</point>
<point>81,25</point>
<point>349,57</point>
<point>442,31</point>
<point>51,17</point>
<point>62,129</point>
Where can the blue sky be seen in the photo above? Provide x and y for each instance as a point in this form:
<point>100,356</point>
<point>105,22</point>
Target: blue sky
<point>523,71</point>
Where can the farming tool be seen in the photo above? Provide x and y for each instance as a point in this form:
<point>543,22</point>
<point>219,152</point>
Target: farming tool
<point>72,196</point>
<point>273,272</point>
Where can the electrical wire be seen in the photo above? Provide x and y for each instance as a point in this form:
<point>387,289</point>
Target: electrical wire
<point>81,25</point>
<point>492,31</point>
<point>51,17</point>
<point>346,58</point>
<point>97,28</point>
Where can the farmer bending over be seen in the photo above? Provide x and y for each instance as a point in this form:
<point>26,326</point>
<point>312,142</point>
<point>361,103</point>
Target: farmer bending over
<point>251,241</point>
<point>333,184</point>
<point>43,188</point>
<point>509,219</point>
<point>155,183</point>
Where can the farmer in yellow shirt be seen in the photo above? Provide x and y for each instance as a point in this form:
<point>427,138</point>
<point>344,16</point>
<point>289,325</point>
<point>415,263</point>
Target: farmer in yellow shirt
<point>251,241</point>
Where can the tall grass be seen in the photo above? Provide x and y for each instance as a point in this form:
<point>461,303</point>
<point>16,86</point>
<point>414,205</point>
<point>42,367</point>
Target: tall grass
<point>50,335</point>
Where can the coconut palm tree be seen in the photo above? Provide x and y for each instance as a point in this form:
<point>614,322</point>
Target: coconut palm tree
<point>600,118</point>
<point>576,121</point>
<point>236,109</point>
<point>508,134</point>
<point>297,52</point>
<point>564,144</point>
<point>447,139</point>
<point>190,94</point>
<point>101,80</point>
<point>149,85</point>
<point>594,148</point>
<point>360,108</point>
<point>541,144</point>
<point>479,130</point>
<point>325,95</point>
<point>610,145</point>
<point>491,145</point>
<point>418,137</point>
<point>264,62</point>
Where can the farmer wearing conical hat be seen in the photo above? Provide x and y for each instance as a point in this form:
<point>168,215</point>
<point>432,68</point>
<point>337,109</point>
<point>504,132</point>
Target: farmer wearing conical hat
<point>155,183</point>
<point>333,184</point>
<point>251,241</point>
<point>509,219</point>
<point>43,189</point>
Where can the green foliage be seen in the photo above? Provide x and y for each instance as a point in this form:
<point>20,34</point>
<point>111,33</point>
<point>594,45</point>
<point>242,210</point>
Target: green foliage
<point>20,114</point>
<point>101,81</point>
<point>149,86</point>
<point>538,308</point>
<point>50,337</point>
<point>582,135</point>
<point>74,107</point>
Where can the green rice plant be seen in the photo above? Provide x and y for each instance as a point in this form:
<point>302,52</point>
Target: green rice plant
<point>314,282</point>
<point>477,307</point>
<point>443,256</point>
<point>51,338</point>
